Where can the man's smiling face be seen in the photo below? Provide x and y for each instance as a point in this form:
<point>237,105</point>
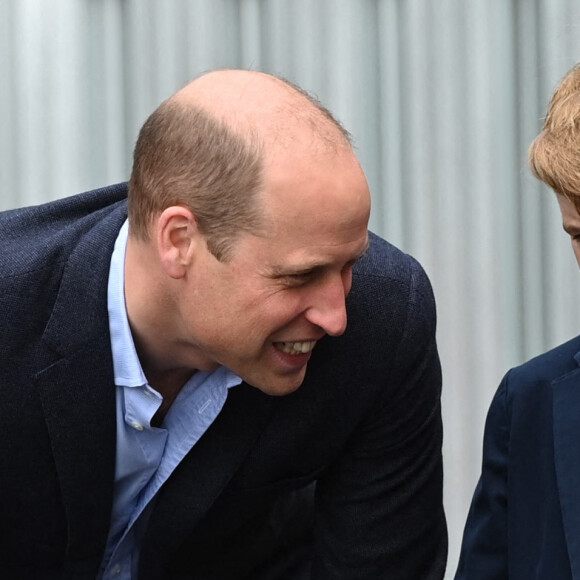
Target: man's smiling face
<point>261,312</point>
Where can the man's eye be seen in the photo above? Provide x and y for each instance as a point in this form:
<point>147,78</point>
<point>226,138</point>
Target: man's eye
<point>297,279</point>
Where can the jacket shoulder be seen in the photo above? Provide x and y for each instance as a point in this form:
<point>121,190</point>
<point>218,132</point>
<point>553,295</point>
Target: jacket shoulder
<point>37,235</point>
<point>394,286</point>
<point>549,365</point>
<point>383,259</point>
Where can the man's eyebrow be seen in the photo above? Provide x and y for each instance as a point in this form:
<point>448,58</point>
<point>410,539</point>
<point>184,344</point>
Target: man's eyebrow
<point>279,271</point>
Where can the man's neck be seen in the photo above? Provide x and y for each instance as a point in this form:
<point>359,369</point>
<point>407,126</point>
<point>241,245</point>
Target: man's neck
<point>167,384</point>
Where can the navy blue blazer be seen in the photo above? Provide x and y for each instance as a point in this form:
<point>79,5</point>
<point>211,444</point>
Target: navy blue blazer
<point>360,440</point>
<point>524,521</point>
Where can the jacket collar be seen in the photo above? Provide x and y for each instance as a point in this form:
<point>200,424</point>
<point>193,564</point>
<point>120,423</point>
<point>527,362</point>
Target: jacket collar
<point>76,385</point>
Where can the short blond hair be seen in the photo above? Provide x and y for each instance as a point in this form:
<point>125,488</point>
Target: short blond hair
<point>554,155</point>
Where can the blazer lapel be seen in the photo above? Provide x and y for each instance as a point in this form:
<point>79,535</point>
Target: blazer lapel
<point>566,393</point>
<point>78,397</point>
<point>204,473</point>
<point>76,384</point>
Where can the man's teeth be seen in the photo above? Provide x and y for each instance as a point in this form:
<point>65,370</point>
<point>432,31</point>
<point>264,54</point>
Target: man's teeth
<point>296,347</point>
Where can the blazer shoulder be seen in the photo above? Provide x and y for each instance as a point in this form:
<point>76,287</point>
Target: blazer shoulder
<point>36,236</point>
<point>385,259</point>
<point>549,365</point>
<point>394,282</point>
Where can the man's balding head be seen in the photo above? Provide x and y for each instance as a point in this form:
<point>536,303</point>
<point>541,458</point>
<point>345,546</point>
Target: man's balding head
<point>206,148</point>
<point>268,105</point>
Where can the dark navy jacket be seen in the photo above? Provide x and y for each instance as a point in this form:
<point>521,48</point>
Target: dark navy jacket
<point>365,428</point>
<point>524,522</point>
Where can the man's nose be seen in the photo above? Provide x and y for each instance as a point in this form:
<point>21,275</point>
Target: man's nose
<point>328,310</point>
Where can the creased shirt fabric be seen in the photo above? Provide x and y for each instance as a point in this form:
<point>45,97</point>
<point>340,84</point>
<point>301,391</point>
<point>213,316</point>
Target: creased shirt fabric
<point>147,455</point>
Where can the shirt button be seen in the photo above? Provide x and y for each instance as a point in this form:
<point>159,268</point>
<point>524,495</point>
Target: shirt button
<point>117,570</point>
<point>137,426</point>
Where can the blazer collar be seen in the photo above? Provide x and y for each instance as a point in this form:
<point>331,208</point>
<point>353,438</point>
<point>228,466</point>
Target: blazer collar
<point>76,385</point>
<point>566,417</point>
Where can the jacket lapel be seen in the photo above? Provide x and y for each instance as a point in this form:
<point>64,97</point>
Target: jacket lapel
<point>76,385</point>
<point>566,393</point>
<point>196,483</point>
<point>78,398</point>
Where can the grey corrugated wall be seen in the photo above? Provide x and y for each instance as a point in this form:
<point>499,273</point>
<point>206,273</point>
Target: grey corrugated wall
<point>442,97</point>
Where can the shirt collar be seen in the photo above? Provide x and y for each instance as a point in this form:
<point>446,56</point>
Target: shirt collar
<point>126,366</point>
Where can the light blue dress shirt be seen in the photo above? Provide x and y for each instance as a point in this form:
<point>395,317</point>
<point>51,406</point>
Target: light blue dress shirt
<point>146,455</point>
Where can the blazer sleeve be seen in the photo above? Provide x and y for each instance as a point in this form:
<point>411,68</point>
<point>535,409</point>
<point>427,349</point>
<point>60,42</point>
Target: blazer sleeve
<point>379,508</point>
<point>484,554</point>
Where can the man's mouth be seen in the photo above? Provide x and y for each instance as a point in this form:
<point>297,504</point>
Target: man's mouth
<point>295,347</point>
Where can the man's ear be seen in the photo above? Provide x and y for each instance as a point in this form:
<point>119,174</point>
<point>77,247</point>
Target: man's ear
<point>176,233</point>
